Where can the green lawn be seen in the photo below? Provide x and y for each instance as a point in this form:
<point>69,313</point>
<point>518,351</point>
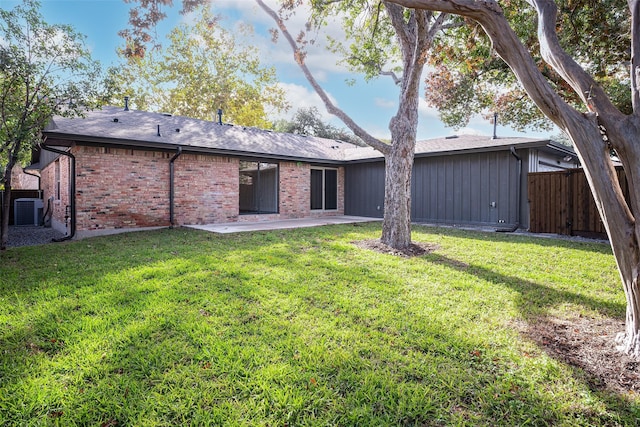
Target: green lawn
<point>299,327</point>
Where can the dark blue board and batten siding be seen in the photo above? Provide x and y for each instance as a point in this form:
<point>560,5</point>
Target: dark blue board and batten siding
<point>478,188</point>
<point>364,189</point>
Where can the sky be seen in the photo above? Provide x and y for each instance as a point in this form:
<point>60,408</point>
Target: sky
<point>371,104</point>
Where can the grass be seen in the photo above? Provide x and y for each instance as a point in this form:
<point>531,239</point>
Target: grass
<point>299,327</point>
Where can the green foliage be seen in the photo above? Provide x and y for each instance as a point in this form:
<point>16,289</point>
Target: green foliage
<point>468,79</point>
<point>300,327</point>
<point>307,121</point>
<point>370,46</point>
<point>202,68</point>
<point>45,70</point>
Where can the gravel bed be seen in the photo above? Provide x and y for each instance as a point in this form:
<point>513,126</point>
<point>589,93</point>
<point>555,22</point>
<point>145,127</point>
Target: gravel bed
<point>31,235</point>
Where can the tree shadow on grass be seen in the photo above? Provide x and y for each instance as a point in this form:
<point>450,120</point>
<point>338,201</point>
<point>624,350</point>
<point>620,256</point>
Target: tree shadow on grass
<point>230,287</point>
<point>547,241</point>
<point>534,298</point>
<point>587,344</point>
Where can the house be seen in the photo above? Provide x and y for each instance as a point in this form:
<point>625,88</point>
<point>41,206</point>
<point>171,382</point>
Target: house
<point>461,180</point>
<point>117,169</point>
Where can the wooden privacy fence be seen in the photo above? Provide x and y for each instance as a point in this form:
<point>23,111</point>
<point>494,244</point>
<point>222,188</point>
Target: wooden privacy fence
<point>561,203</point>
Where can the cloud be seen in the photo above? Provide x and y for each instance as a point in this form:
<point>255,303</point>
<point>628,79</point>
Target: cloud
<point>302,97</point>
<point>319,59</point>
<point>424,110</point>
<point>470,131</point>
<point>384,103</point>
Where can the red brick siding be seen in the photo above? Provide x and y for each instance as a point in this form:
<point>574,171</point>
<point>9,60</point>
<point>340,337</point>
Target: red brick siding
<point>120,188</point>
<point>124,188</point>
<point>295,183</point>
<point>48,184</point>
<point>206,189</point>
<point>22,181</point>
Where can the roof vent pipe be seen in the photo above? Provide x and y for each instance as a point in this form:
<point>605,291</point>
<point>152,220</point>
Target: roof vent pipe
<point>159,134</point>
<point>219,116</point>
<point>495,126</point>
<point>126,103</point>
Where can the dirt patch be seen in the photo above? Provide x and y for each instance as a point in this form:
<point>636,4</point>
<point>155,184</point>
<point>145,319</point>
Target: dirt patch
<point>414,249</point>
<point>588,344</point>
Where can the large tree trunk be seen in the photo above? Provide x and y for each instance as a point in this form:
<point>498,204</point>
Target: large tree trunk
<point>396,226</point>
<point>4,228</point>
<point>6,209</point>
<point>415,36</point>
<point>629,340</point>
<point>620,217</point>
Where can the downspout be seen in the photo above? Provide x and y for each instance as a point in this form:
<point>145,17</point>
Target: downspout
<point>24,171</point>
<point>72,189</point>
<point>172,187</point>
<point>518,192</point>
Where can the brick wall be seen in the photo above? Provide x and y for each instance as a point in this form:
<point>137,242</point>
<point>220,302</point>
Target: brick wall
<point>206,189</point>
<point>22,181</point>
<point>295,183</point>
<point>121,188</point>
<point>58,205</point>
<point>124,188</point>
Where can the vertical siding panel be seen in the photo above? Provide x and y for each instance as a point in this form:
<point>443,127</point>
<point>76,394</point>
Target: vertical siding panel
<point>465,195</point>
<point>364,189</point>
<point>475,188</point>
<point>504,186</point>
<point>493,187</point>
<point>449,188</point>
<point>441,190</point>
<point>433,190</point>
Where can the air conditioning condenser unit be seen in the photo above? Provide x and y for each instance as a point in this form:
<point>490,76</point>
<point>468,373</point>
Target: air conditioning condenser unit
<point>27,211</point>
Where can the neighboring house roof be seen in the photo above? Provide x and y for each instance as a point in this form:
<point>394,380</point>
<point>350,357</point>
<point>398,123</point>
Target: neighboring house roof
<point>115,126</point>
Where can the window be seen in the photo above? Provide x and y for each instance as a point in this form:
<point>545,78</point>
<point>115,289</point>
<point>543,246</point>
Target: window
<point>258,187</point>
<point>324,189</point>
<point>57,179</point>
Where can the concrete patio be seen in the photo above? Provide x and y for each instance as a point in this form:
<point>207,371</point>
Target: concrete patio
<point>238,227</point>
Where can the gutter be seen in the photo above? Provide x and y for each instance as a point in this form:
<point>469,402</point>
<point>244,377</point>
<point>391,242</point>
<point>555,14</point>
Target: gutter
<point>26,172</point>
<point>172,186</point>
<point>512,149</point>
<point>72,189</point>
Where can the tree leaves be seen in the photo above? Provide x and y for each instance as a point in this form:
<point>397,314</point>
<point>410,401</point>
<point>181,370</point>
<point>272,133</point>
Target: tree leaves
<point>44,70</point>
<point>595,33</point>
<point>307,121</point>
<point>201,69</point>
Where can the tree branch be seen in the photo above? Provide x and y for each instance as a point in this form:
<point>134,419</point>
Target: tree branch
<point>509,47</point>
<point>396,15</point>
<point>331,108</point>
<point>634,8</point>
<point>440,24</point>
<point>589,91</point>
<point>394,76</point>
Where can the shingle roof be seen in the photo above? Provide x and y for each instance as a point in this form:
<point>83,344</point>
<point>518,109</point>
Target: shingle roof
<point>113,125</point>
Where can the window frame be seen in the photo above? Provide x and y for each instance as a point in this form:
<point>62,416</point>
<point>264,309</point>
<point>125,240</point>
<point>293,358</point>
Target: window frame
<point>324,190</point>
<point>57,180</point>
<point>259,184</point>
